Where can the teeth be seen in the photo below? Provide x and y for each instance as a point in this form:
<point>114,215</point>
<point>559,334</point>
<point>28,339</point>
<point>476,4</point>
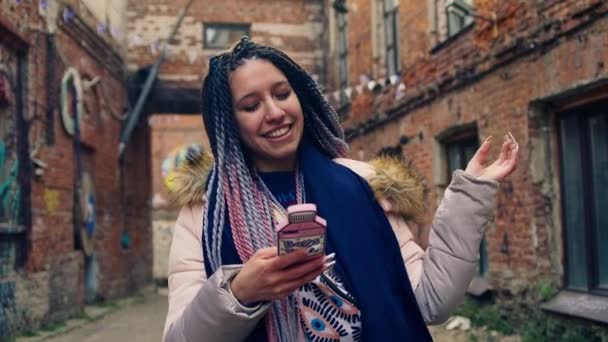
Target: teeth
<point>278,132</point>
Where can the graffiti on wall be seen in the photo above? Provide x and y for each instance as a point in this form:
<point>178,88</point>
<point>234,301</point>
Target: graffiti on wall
<point>8,308</point>
<point>9,164</point>
<point>174,159</point>
<point>52,200</point>
<point>9,189</point>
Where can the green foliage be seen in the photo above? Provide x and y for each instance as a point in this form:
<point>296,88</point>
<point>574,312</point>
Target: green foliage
<point>546,290</point>
<point>54,326</point>
<point>486,315</point>
<point>524,317</point>
<point>473,338</point>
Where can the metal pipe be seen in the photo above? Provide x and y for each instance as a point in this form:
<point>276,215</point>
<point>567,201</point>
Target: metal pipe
<point>143,96</point>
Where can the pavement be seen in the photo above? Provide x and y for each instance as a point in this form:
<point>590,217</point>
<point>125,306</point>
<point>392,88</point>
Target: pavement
<point>136,319</point>
<point>141,319</point>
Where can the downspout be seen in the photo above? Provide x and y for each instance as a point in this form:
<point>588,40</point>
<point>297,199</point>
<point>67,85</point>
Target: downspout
<point>143,96</point>
<point>132,120</point>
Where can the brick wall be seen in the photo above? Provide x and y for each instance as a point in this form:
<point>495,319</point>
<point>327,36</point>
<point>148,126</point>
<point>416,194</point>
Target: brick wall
<point>293,26</point>
<point>48,284</point>
<point>542,55</point>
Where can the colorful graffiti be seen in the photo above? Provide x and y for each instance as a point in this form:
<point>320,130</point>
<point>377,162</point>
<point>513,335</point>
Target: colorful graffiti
<point>174,159</point>
<point>52,200</point>
<point>9,189</point>
<point>7,308</point>
<point>9,163</point>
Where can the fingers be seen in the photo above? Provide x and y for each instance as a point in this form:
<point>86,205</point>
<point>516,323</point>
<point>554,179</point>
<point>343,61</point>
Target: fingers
<point>300,270</point>
<point>482,153</point>
<point>507,162</point>
<point>504,151</point>
<point>476,163</point>
<point>513,139</point>
<point>513,156</point>
<point>284,261</point>
<point>292,285</point>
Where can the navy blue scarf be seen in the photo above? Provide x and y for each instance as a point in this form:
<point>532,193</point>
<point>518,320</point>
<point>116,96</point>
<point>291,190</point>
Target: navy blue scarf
<point>369,261</point>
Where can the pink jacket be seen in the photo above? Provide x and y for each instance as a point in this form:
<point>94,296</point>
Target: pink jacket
<point>201,308</point>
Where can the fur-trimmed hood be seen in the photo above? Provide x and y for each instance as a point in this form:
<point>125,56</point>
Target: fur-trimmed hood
<point>393,181</point>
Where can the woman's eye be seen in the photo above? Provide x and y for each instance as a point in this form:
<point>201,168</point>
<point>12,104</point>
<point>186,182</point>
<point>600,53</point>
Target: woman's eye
<point>283,95</point>
<point>250,108</point>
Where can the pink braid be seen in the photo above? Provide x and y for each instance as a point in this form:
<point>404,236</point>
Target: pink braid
<point>243,245</point>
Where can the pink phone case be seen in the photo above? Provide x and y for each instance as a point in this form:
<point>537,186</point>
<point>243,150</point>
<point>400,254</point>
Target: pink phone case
<point>301,229</point>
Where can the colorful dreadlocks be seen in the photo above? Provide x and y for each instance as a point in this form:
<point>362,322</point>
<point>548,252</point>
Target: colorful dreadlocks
<point>233,184</point>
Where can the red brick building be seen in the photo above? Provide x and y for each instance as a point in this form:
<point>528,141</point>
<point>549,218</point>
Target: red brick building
<point>74,224</point>
<point>465,70</point>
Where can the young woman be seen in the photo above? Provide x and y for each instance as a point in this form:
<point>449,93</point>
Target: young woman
<point>277,142</point>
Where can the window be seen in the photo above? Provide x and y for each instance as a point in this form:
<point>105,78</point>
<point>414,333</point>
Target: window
<point>450,17</point>
<point>223,36</point>
<point>341,13</point>
<point>458,15</point>
<point>459,151</point>
<point>391,28</point>
<point>13,151</point>
<point>584,177</point>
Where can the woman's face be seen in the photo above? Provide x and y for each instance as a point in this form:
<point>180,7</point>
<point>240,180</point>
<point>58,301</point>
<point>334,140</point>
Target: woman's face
<point>268,114</point>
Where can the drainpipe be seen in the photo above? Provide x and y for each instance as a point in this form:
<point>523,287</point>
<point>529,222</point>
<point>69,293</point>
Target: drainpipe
<point>143,96</point>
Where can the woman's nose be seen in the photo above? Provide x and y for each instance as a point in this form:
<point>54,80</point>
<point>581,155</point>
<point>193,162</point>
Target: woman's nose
<point>273,110</point>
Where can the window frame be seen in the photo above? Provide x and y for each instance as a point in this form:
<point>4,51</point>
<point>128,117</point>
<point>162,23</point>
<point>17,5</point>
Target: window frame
<point>14,234</point>
<point>467,18</point>
<point>591,264</point>
<point>236,26</point>
<point>391,29</point>
<point>439,18</point>
<point>341,12</point>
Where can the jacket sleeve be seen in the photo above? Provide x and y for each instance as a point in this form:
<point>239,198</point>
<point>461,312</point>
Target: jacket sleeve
<point>202,309</point>
<point>450,261</point>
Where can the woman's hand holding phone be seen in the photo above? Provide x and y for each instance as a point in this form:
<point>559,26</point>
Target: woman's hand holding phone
<point>267,276</point>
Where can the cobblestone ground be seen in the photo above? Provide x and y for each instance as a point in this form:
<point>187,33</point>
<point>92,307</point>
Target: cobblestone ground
<point>141,319</point>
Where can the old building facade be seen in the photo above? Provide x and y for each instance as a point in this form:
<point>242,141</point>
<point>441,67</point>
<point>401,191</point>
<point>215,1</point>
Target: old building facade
<point>468,70</point>
<point>73,223</point>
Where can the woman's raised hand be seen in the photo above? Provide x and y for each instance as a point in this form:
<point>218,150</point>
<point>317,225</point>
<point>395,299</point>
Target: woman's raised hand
<point>499,169</point>
<point>268,276</point>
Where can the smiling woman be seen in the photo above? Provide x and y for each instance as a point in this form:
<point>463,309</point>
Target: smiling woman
<point>276,142</point>
<point>268,114</point>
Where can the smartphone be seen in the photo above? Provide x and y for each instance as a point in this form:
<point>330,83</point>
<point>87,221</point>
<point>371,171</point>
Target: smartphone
<point>302,228</point>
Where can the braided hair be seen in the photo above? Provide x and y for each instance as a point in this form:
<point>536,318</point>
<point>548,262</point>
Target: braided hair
<point>233,186</point>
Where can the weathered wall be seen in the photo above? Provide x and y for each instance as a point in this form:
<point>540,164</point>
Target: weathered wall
<point>43,278</point>
<point>515,81</point>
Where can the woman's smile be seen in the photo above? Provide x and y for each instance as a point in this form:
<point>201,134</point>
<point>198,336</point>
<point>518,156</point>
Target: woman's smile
<point>279,133</point>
